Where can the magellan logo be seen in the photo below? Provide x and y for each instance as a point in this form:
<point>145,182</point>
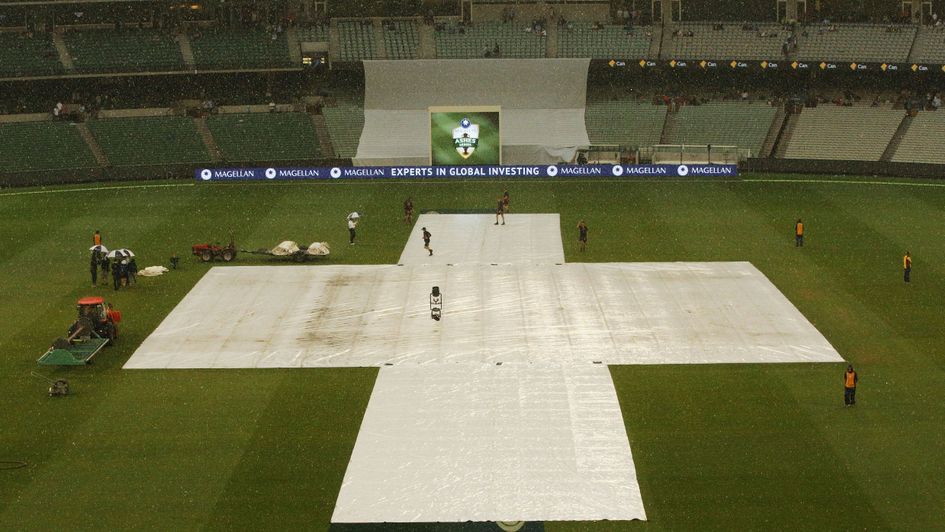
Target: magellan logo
<point>206,174</point>
<point>335,172</point>
<point>270,173</point>
<point>618,170</point>
<point>683,170</point>
<point>466,138</point>
<point>552,171</point>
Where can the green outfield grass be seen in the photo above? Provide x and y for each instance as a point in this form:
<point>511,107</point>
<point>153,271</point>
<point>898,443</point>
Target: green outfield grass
<point>716,447</point>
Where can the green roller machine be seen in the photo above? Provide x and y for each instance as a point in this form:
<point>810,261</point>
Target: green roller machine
<point>94,328</point>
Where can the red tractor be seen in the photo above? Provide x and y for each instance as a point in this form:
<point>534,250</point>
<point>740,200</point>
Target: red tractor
<point>95,327</point>
<point>95,316</point>
<point>210,252</point>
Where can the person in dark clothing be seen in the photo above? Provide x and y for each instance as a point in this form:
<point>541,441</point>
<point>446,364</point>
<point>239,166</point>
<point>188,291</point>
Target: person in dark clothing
<point>408,211</point>
<point>906,266</point>
<point>117,274</point>
<point>849,386</point>
<point>499,211</point>
<point>426,241</point>
<point>131,271</point>
<point>105,267</point>
<point>582,235</point>
<point>93,268</point>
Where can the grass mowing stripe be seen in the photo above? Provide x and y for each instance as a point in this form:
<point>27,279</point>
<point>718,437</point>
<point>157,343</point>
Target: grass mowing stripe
<point>103,188</point>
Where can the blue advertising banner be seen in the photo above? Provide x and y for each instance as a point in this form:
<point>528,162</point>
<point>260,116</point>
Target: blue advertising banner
<point>371,172</point>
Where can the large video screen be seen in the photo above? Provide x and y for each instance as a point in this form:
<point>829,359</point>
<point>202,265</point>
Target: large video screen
<point>465,136</point>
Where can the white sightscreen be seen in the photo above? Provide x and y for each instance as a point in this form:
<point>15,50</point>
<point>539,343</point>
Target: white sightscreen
<point>542,103</point>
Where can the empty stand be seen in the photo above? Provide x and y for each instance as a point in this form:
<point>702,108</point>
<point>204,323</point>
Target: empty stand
<point>345,120</point>
<point>149,141</point>
<point>855,42</point>
<point>239,49</point>
<point>579,39</point>
<point>357,40</point>
<point>317,33</point>
<point>929,45</point>
<point>627,124</point>
<point>42,146</point>
<point>724,40</point>
<point>23,55</point>
<point>401,39</point>
<point>264,136</point>
<point>924,141</point>
<point>480,39</point>
<point>129,50</point>
<point>724,124</point>
<point>843,133</point>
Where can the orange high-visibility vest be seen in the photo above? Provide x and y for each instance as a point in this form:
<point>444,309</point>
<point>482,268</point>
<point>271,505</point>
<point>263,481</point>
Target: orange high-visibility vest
<point>97,239</point>
<point>851,379</point>
<point>906,262</point>
<point>800,229</point>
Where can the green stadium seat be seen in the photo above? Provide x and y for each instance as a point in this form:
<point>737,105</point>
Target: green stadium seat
<point>129,50</point>
<point>265,136</point>
<point>357,40</point>
<point>724,124</point>
<point>149,140</point>
<point>401,39</point>
<point>628,124</point>
<point>317,33</point>
<point>855,42</point>
<point>610,42</point>
<point>26,146</point>
<point>843,133</point>
<point>240,49</point>
<point>480,39</point>
<point>930,46</point>
<point>730,42</point>
<point>345,121</point>
<point>22,55</point>
<point>923,141</point>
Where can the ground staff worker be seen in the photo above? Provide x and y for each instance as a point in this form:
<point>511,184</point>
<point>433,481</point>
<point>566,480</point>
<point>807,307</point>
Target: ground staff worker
<point>906,267</point>
<point>849,386</point>
<point>799,234</point>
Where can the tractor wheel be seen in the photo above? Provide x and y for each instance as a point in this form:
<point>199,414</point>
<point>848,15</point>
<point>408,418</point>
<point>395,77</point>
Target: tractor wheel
<point>206,255</point>
<point>228,255</point>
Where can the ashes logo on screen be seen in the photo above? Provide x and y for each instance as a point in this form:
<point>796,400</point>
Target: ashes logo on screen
<point>466,138</point>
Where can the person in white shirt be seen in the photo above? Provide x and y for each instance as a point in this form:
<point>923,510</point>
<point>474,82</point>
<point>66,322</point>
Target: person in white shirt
<point>352,224</point>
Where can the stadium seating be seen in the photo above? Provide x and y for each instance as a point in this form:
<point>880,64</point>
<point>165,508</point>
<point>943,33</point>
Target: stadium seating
<point>357,40</point>
<point>345,121</point>
<point>923,141</point>
<point>130,50</point>
<point>149,141</point>
<point>401,39</point>
<point>21,55</point>
<point>930,45</point>
<point>42,146</point>
<point>610,42</point>
<point>264,136</point>
<point>241,49</point>
<point>843,133</point>
<point>732,41</point>
<point>724,124</point>
<point>318,33</point>
<point>624,123</point>
<point>855,42</point>
<point>473,41</point>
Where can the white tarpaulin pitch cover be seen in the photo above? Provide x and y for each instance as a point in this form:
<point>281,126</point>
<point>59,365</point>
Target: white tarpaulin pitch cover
<point>488,443</point>
<point>332,316</point>
<point>474,239</point>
